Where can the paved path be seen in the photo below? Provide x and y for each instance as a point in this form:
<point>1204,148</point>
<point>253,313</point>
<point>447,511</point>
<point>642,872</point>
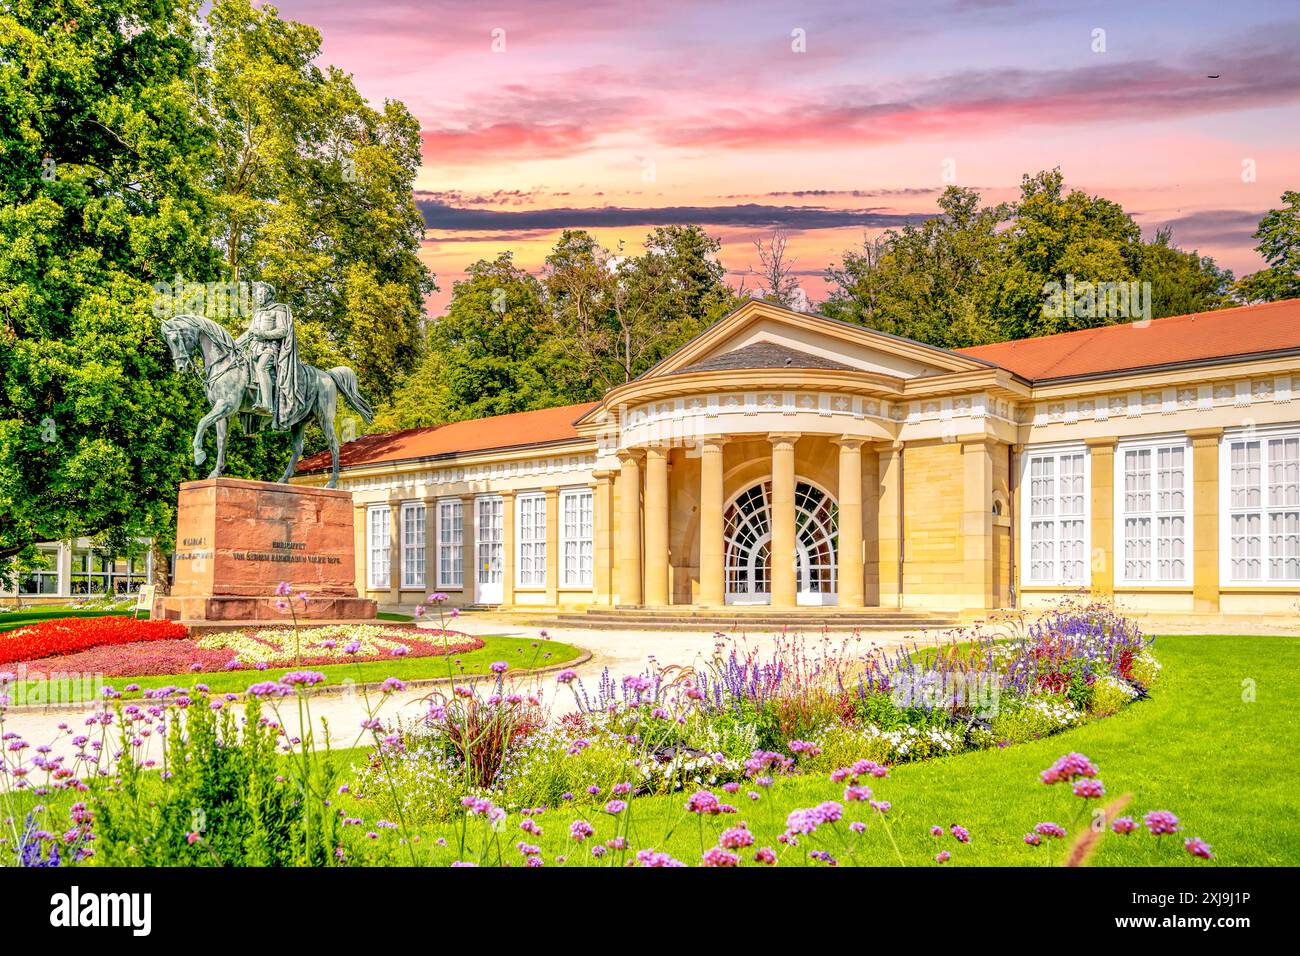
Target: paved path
<point>621,652</point>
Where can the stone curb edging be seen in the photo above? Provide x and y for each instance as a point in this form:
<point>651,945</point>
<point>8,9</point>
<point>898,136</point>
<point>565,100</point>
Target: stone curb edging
<point>327,690</point>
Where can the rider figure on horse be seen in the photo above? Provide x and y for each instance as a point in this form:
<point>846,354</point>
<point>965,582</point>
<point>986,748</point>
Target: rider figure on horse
<point>270,345</point>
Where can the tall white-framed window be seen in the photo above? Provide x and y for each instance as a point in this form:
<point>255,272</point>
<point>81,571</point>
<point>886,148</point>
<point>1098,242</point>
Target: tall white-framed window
<point>1153,503</point>
<point>576,537</point>
<point>379,567</point>
<point>1260,477</point>
<point>451,544</point>
<point>530,532</point>
<point>1055,490</point>
<point>413,544</point>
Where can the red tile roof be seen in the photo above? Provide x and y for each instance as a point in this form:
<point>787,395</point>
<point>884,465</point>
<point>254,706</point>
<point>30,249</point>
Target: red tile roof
<point>1245,330</point>
<point>458,438</point>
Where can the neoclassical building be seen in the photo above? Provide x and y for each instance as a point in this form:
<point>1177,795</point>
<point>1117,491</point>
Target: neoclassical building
<point>788,459</point>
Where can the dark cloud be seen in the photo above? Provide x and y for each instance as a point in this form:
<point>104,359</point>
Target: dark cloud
<point>1216,227</point>
<point>441,216</point>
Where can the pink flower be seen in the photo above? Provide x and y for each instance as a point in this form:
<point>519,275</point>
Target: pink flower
<point>943,857</point>
<point>192,838</point>
<point>857,826</point>
<point>720,857</point>
<point>1124,826</point>
<point>1198,847</point>
<point>1033,839</point>
<point>936,831</point>
<point>1068,767</point>
<point>737,837</point>
<point>1049,830</point>
<point>961,833</point>
<point>857,793</point>
<point>1161,822</point>
<point>1088,788</point>
<point>579,830</point>
<point>765,855</point>
<point>703,802</point>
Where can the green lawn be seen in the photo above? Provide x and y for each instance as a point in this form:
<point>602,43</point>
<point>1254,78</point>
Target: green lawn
<point>1198,748</point>
<point>11,620</point>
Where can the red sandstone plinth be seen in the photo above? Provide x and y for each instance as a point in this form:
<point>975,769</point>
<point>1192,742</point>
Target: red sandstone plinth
<point>237,540</point>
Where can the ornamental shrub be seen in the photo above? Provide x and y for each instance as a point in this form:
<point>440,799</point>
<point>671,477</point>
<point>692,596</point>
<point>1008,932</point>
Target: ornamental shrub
<point>223,801</point>
<point>1109,694</point>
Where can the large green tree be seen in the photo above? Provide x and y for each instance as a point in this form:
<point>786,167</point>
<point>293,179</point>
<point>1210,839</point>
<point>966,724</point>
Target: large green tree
<point>101,196</point>
<point>140,143</point>
<point>1279,244</point>
<point>976,274</point>
<point>312,191</point>
<point>488,344</point>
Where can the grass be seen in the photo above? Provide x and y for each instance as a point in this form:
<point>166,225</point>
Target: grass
<point>12,620</point>
<point>519,652</point>
<point>1200,748</point>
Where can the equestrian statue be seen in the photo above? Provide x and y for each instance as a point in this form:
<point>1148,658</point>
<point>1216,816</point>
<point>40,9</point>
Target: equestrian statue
<point>258,377</point>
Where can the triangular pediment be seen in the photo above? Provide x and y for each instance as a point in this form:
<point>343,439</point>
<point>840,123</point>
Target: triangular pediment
<point>762,335</point>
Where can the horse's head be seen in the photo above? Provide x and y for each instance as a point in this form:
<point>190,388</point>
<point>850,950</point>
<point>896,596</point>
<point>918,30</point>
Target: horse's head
<point>182,339</point>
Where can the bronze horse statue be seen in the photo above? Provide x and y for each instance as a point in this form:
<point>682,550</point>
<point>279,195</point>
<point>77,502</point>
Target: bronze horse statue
<point>231,389</point>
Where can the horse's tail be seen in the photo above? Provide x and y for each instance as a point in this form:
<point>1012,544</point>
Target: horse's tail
<point>346,380</point>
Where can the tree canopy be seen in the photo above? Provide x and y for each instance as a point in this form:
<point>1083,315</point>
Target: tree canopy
<point>145,143</point>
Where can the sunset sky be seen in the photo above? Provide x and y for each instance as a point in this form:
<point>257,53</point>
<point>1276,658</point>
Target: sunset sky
<point>619,117</point>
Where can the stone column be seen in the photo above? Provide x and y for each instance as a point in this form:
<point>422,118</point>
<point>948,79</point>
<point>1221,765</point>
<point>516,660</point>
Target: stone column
<point>430,546</point>
<point>1102,505</point>
<point>395,551</point>
<point>629,531</point>
<point>713,580</point>
<point>850,576</point>
<point>784,582</point>
<point>1205,519</point>
<point>889,525</point>
<point>361,545</point>
<point>65,569</point>
<point>656,526</point>
<point>508,547</point>
<point>602,523</point>
<point>977,521</point>
<point>469,551</point>
<point>553,546</point>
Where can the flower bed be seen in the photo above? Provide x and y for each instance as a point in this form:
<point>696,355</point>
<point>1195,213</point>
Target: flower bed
<point>73,634</point>
<point>827,704</point>
<point>333,644</point>
<point>255,650</point>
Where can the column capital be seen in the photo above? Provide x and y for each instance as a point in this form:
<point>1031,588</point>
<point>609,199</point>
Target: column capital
<point>1204,436</point>
<point>847,441</point>
<point>783,438</point>
<point>602,474</point>
<point>1102,443</point>
<point>630,455</point>
<point>714,440</point>
<point>889,446</point>
<point>977,443</point>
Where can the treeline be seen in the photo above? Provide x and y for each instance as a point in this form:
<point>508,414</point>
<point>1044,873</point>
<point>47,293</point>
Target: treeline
<point>975,273</point>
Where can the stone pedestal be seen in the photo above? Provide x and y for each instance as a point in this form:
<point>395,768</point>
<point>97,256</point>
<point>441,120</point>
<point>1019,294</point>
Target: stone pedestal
<point>236,541</point>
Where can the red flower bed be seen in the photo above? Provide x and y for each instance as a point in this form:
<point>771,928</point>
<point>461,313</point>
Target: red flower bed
<point>68,635</point>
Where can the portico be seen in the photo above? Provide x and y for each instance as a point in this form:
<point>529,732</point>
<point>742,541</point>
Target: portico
<point>750,467</point>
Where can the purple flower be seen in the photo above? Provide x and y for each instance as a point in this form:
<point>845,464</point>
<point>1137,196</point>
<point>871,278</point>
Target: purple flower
<point>615,807</point>
<point>765,855</point>
<point>1088,788</point>
<point>283,589</point>
<point>943,856</point>
<point>391,685</point>
<point>1049,830</point>
<point>566,676</point>
<point>1161,823</point>
<point>1198,847</point>
<point>720,857</point>
<point>736,838</point>
<point>500,667</point>
<point>1124,826</point>
<point>1068,767</point>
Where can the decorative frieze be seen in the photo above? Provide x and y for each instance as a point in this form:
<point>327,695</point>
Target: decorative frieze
<point>431,478</point>
<point>1168,401</point>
